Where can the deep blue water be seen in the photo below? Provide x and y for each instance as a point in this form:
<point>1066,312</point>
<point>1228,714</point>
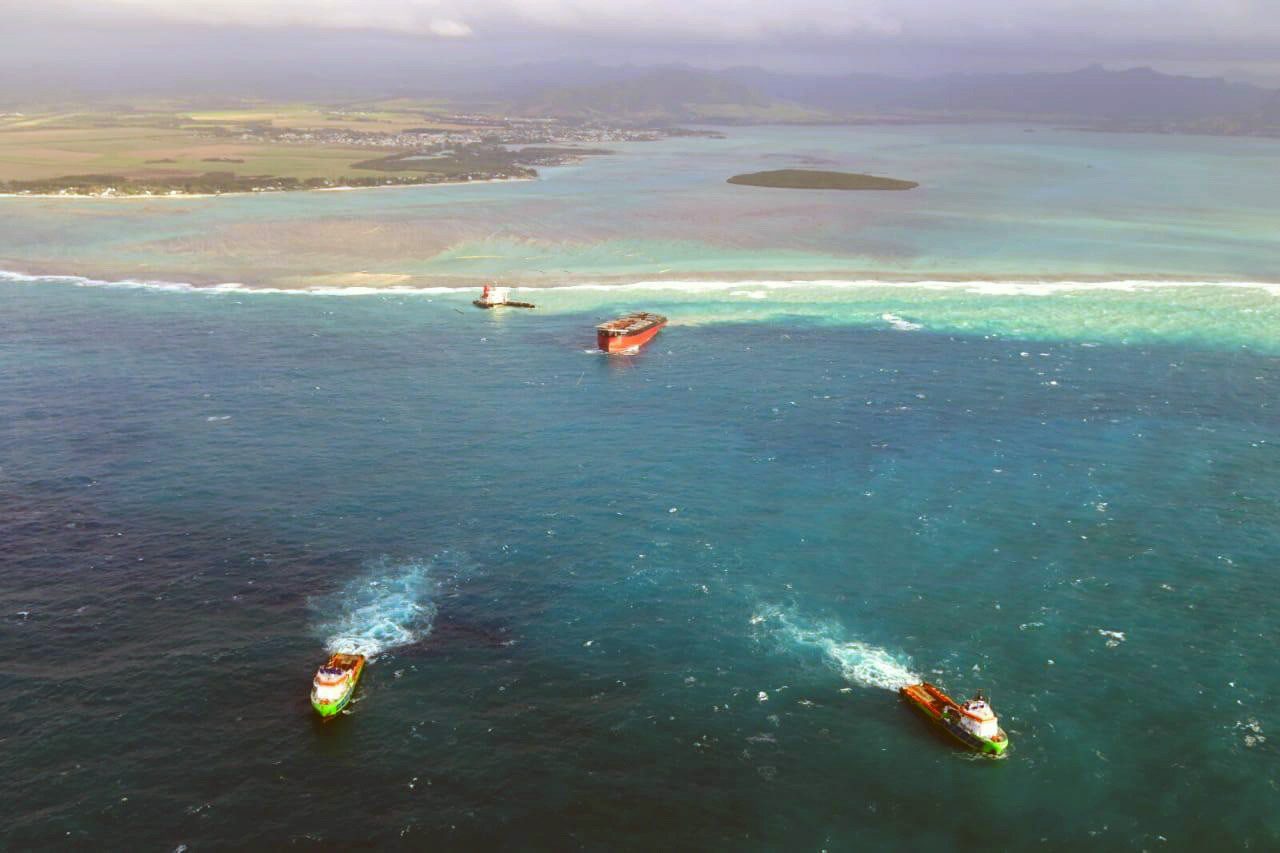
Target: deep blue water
<point>648,602</point>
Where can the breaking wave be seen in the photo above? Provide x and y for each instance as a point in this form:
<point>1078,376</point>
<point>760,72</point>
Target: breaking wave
<point>985,287</point>
<point>391,605</point>
<point>749,288</point>
<point>861,664</point>
<point>1203,313</point>
<point>224,287</point>
<point>900,324</point>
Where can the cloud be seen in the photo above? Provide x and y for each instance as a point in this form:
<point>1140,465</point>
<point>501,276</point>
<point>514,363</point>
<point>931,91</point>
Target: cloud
<point>1060,23</point>
<point>416,17</point>
<point>449,28</point>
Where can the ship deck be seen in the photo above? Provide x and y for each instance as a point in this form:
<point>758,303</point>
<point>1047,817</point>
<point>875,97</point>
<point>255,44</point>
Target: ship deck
<point>631,323</point>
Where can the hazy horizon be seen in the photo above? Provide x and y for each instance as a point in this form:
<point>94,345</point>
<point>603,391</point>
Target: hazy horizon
<point>125,46</point>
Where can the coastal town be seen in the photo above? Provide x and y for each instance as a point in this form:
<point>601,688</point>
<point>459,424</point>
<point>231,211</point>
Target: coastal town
<point>456,129</point>
<point>284,149</point>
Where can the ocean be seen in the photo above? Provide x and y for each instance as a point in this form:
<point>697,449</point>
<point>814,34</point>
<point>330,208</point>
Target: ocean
<point>650,601</point>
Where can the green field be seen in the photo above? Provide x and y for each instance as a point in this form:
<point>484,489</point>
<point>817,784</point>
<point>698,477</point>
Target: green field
<point>159,145</point>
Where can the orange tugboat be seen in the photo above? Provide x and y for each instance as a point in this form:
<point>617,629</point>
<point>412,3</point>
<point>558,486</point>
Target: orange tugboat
<point>973,723</point>
<point>630,332</point>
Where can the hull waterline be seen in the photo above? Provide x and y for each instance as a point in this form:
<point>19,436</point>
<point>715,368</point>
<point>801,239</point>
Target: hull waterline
<point>629,333</point>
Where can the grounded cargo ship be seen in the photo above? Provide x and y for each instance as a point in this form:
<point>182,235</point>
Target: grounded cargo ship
<point>498,297</point>
<point>335,684</point>
<point>630,332</point>
<point>973,723</point>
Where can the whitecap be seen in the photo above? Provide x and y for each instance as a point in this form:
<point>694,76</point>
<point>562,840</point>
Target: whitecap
<point>1252,729</point>
<point>899,323</point>
<point>1114,638</point>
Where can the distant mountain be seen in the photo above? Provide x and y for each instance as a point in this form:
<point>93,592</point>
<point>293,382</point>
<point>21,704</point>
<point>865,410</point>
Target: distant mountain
<point>527,80</point>
<point>1263,120</point>
<point>1140,98</point>
<point>1270,111</point>
<point>1092,93</point>
<point>665,94</point>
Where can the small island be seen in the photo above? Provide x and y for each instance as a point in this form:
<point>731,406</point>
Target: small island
<point>809,179</point>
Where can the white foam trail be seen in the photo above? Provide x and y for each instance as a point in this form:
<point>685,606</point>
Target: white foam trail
<point>860,663</point>
<point>749,288</point>
<point>390,606</point>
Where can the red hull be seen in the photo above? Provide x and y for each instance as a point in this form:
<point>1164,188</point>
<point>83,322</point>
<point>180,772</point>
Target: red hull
<point>622,343</point>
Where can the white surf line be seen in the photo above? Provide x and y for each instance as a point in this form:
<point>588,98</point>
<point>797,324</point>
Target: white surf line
<point>754,288</point>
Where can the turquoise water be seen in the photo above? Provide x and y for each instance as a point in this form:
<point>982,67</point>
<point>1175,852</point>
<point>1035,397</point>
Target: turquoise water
<point>642,602</point>
<point>995,202</point>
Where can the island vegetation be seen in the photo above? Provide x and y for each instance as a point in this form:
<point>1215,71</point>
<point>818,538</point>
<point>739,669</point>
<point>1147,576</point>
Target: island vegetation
<point>812,179</point>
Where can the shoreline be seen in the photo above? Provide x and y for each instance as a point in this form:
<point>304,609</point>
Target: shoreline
<point>183,196</point>
<point>728,284</point>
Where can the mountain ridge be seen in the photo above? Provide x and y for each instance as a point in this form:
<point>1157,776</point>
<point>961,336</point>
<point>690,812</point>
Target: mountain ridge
<point>1139,97</point>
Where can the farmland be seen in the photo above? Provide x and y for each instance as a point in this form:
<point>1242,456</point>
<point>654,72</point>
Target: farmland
<point>157,149</point>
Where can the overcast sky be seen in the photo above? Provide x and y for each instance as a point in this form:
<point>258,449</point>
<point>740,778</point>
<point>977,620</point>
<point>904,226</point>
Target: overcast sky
<point>1236,38</point>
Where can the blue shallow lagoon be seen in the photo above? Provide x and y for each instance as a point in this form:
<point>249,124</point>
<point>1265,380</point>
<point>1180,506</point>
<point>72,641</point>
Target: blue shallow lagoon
<point>644,602</point>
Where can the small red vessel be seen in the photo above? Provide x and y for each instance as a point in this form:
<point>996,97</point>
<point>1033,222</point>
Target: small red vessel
<point>630,332</point>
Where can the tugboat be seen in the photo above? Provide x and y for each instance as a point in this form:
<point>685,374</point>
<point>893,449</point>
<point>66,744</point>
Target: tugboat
<point>973,723</point>
<point>335,684</point>
<point>630,332</point>
<point>496,297</point>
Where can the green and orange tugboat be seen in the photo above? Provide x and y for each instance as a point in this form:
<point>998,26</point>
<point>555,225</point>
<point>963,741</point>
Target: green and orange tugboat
<point>335,684</point>
<point>973,723</point>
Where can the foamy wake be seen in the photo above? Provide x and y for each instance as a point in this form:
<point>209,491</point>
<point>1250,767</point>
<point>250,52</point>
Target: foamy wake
<point>860,663</point>
<point>750,289</point>
<point>391,605</point>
